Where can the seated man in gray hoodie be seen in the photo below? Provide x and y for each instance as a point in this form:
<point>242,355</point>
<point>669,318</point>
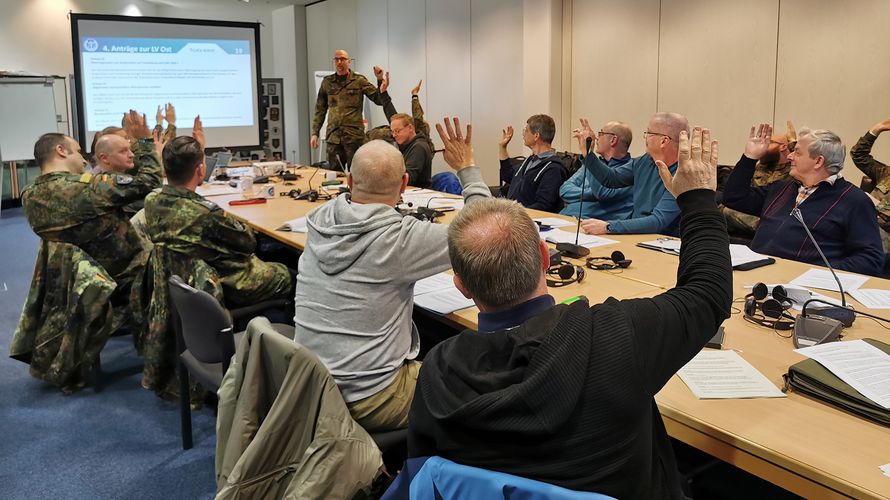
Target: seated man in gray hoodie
<point>355,286</point>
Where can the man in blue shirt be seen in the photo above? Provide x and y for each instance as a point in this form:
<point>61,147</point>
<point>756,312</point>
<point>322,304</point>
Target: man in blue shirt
<point>535,184</point>
<point>600,202</point>
<point>655,210</point>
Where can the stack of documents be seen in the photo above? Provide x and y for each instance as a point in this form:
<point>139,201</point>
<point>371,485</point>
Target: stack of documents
<point>438,294</point>
<point>430,199</point>
<point>297,225</point>
<point>862,366</point>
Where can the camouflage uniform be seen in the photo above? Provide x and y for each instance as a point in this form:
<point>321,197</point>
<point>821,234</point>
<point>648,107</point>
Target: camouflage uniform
<point>187,223</point>
<point>86,210</point>
<point>340,97</point>
<point>880,175</point>
<point>67,316</point>
<point>744,225</point>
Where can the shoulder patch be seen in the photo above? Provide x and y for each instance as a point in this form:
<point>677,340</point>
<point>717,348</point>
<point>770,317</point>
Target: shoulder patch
<point>123,179</point>
<point>85,177</point>
<point>209,205</point>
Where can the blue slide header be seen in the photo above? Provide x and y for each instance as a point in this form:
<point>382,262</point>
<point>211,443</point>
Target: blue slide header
<point>158,45</point>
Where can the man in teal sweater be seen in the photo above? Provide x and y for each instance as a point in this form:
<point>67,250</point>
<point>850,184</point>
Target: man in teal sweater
<point>655,210</point>
<point>598,201</point>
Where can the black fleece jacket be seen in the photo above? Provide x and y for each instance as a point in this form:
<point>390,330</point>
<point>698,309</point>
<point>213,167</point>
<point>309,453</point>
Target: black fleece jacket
<point>568,396</point>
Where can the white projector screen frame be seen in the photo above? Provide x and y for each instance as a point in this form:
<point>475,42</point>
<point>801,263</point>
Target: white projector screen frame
<point>167,42</point>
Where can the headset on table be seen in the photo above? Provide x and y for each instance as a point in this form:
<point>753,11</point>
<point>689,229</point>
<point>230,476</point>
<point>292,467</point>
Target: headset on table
<point>769,312</point>
<point>563,274</point>
<point>614,261</point>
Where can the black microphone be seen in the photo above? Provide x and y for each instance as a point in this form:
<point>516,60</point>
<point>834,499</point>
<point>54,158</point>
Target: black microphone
<point>815,329</point>
<point>310,194</point>
<point>575,250</point>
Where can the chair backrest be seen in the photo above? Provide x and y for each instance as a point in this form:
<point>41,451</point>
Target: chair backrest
<point>205,325</point>
<point>452,480</point>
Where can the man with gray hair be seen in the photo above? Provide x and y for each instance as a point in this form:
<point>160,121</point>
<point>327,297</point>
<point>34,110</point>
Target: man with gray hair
<point>841,217</point>
<point>565,393</point>
<point>654,208</point>
<point>355,287</point>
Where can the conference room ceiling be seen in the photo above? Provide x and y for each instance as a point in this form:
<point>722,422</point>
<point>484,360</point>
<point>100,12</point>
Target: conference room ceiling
<point>193,4</point>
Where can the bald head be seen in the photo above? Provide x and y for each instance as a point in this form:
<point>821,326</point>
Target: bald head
<point>495,252</point>
<point>341,62</point>
<point>664,140</point>
<point>378,169</point>
<point>112,153</point>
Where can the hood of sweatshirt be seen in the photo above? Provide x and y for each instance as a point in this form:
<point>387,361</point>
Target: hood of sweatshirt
<point>341,231</point>
<point>505,381</point>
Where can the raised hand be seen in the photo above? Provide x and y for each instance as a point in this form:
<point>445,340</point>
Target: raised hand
<point>134,126</point>
<point>458,151</point>
<point>506,136</point>
<point>378,72</point>
<point>416,89</point>
<point>159,117</point>
<point>158,135</point>
<point>170,114</point>
<point>880,127</point>
<point>758,141</point>
<point>384,86</point>
<point>697,167</point>
<point>198,132</point>
<point>584,132</point>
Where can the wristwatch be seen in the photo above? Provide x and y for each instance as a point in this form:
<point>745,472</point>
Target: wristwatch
<point>608,227</point>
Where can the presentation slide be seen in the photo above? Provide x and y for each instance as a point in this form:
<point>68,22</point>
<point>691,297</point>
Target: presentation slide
<point>207,70</point>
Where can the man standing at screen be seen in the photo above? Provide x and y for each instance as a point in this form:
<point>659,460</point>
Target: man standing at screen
<point>340,97</point>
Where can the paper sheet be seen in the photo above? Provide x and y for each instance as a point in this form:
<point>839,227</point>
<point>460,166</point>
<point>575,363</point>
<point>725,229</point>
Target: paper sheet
<point>861,365</point>
<point>885,469</point>
<point>554,222</point>
<point>585,240</point>
<point>725,375</point>
<point>741,254</point>
<point>667,245</point>
<point>872,298</point>
<point>434,283</point>
<point>297,225</point>
<point>822,278</point>
<point>444,301</point>
<point>207,190</point>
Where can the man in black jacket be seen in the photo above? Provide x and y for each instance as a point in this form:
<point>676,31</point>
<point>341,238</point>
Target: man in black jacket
<point>415,148</point>
<point>536,182</point>
<point>565,393</point>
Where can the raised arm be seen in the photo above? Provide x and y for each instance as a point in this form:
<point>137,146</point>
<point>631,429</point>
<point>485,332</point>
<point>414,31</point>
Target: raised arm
<point>738,193</point>
<point>861,153</point>
<point>672,327</point>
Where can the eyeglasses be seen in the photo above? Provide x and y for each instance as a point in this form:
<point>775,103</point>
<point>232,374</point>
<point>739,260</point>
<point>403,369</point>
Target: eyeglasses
<point>791,145</point>
<point>647,134</point>
<point>341,59</point>
<point>601,133</point>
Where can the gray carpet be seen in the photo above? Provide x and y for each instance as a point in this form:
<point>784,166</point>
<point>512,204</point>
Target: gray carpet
<point>122,442</point>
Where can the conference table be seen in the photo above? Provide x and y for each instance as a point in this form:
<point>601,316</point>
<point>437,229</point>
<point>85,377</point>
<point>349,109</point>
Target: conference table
<point>805,446</point>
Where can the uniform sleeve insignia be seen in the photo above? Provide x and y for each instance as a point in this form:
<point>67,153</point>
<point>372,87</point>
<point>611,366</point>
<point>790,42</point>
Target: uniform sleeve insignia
<point>123,179</point>
<point>85,177</point>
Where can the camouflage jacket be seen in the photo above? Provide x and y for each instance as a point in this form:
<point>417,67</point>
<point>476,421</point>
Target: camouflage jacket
<point>878,172</point>
<point>187,223</point>
<point>156,341</point>
<point>67,316</point>
<point>383,132</point>
<point>341,99</point>
<point>87,210</point>
<point>768,173</point>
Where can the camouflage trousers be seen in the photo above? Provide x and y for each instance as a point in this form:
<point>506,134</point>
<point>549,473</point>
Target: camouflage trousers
<point>341,154</point>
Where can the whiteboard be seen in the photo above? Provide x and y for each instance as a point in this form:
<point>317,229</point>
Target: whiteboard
<point>29,111</point>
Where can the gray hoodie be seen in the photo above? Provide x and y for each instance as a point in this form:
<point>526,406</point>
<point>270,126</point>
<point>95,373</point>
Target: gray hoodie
<point>355,287</point>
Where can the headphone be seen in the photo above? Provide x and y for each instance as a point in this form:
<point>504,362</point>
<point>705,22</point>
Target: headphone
<point>772,310</point>
<point>614,261</point>
<point>564,273</point>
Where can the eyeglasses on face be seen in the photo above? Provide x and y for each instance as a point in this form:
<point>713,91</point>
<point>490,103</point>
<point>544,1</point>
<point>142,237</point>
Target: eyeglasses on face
<point>341,59</point>
<point>648,134</point>
<point>602,133</point>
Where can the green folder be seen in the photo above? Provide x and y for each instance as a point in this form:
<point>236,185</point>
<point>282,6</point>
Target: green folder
<point>810,378</point>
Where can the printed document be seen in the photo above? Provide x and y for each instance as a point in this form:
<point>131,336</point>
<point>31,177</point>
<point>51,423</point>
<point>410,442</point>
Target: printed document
<point>725,375</point>
<point>861,365</point>
<point>585,240</point>
<point>822,278</point>
<point>437,293</point>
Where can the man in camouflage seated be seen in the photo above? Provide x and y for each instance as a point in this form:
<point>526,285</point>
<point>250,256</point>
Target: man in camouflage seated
<point>879,173</point>
<point>185,222</point>
<point>66,204</point>
<point>773,167</point>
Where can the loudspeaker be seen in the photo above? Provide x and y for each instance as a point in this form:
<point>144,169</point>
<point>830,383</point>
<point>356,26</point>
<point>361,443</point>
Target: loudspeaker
<point>813,329</point>
<point>614,261</point>
<point>564,273</point>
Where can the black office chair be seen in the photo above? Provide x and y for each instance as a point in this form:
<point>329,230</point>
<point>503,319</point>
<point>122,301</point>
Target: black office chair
<point>205,340</point>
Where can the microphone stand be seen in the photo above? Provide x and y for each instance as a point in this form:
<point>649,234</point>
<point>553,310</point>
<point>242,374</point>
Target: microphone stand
<point>795,212</point>
<point>576,251</point>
